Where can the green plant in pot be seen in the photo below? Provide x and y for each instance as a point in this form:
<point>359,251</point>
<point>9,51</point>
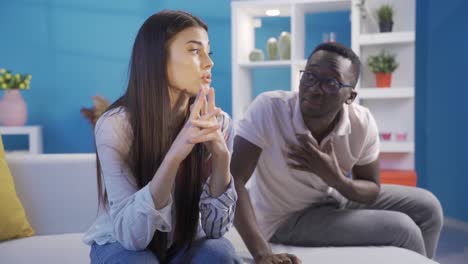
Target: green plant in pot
<point>385,16</point>
<point>383,65</point>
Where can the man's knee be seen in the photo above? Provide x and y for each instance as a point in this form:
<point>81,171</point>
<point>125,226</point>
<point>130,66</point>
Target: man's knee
<point>430,208</point>
<point>403,232</point>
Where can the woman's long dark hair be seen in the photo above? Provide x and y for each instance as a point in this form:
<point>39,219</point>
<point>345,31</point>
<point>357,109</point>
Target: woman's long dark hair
<point>147,104</point>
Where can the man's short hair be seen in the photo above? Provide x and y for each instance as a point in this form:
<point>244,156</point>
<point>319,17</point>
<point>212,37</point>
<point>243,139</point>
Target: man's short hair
<point>343,51</point>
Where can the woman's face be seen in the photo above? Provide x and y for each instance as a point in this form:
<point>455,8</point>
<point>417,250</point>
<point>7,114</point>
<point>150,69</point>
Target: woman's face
<point>189,63</point>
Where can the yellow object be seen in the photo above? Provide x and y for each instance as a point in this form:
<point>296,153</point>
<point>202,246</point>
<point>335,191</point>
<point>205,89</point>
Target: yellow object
<point>13,221</point>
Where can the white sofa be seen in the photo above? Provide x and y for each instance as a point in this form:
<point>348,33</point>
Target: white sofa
<point>59,193</point>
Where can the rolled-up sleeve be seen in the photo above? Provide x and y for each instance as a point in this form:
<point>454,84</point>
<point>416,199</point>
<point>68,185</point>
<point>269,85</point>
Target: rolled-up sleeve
<point>217,213</point>
<point>134,217</point>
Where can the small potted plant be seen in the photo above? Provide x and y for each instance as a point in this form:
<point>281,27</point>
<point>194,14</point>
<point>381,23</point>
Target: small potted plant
<point>13,109</point>
<point>385,16</point>
<point>383,65</point>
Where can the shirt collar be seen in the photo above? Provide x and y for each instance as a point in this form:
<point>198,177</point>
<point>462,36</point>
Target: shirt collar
<point>344,125</point>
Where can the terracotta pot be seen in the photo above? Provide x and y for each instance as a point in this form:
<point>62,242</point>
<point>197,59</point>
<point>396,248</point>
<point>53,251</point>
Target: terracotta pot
<point>13,109</point>
<point>383,80</point>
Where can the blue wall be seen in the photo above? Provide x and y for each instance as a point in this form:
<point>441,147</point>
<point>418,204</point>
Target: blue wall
<point>441,102</point>
<point>77,48</point>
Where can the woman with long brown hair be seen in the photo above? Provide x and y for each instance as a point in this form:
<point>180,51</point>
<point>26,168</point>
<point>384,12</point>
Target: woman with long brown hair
<point>163,155</point>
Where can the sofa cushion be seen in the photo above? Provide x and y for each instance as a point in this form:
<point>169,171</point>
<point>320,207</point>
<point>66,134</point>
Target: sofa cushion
<point>64,248</point>
<point>13,221</point>
<point>69,248</point>
<point>336,255</point>
<point>64,197</point>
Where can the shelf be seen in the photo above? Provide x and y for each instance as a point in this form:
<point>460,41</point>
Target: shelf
<point>17,152</point>
<point>386,93</point>
<point>387,38</point>
<point>396,147</point>
<point>301,63</point>
<point>19,130</point>
<point>259,64</point>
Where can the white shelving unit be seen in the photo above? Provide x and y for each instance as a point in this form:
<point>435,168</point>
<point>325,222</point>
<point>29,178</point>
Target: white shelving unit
<point>393,108</point>
<point>34,134</point>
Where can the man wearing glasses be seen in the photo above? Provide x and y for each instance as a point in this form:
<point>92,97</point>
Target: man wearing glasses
<point>314,160</point>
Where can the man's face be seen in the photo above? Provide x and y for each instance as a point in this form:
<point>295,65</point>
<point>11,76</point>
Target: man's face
<point>316,102</point>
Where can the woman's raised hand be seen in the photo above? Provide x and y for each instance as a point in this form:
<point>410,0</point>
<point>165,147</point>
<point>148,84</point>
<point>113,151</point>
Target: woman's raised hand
<point>201,126</point>
<point>214,140</point>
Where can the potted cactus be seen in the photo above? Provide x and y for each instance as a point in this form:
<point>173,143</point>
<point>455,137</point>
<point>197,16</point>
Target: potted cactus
<point>272,48</point>
<point>383,65</point>
<point>13,109</point>
<point>284,45</point>
<point>385,16</point>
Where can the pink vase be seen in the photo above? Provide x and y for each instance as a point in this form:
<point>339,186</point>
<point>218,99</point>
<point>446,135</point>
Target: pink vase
<point>13,109</point>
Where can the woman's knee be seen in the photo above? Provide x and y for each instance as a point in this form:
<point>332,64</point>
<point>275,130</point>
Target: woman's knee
<point>218,250</point>
<point>115,253</point>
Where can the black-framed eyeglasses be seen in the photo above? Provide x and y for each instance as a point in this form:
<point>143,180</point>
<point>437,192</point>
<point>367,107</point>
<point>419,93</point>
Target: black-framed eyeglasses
<point>331,86</point>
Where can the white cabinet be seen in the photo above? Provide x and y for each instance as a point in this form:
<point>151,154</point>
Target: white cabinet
<point>34,134</point>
